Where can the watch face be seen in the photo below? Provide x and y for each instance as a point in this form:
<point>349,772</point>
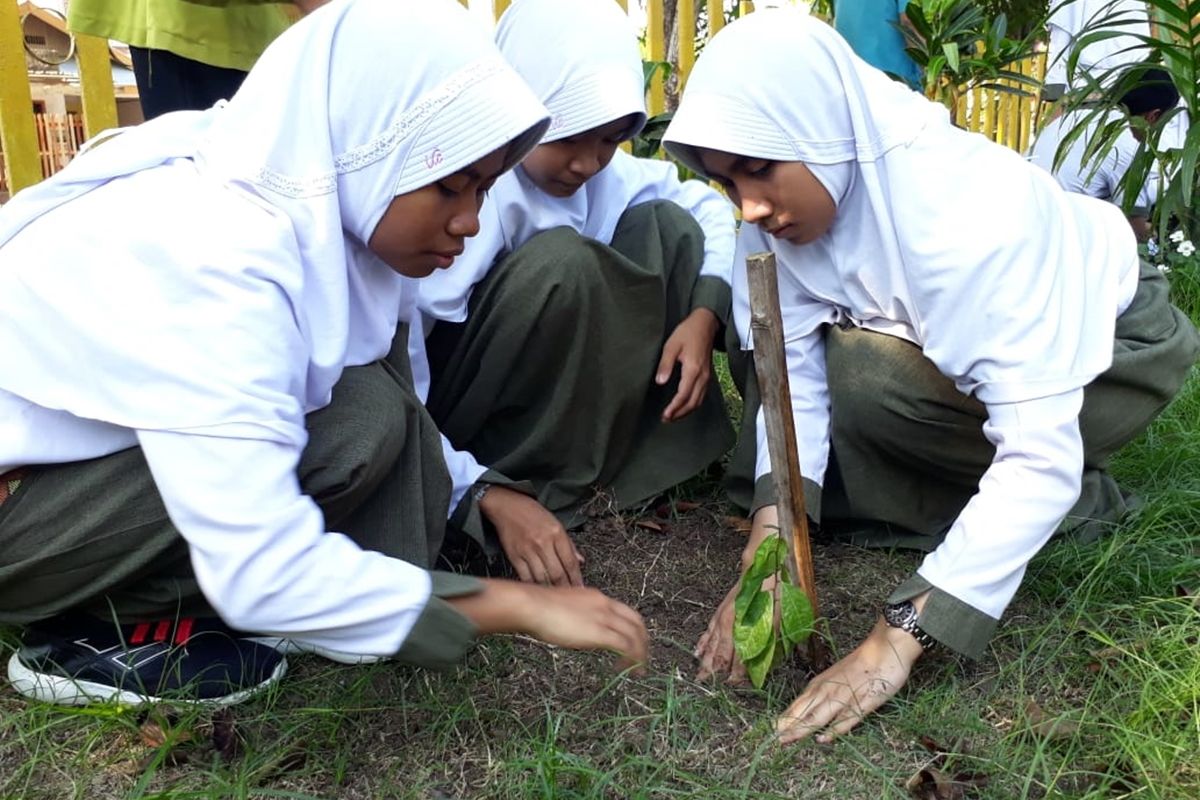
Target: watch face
<point>899,614</point>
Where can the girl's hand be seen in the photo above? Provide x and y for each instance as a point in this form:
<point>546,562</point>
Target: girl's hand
<point>689,345</point>
<point>535,542</point>
<point>839,698</point>
<point>586,619</point>
<point>574,617</point>
<point>715,649</point>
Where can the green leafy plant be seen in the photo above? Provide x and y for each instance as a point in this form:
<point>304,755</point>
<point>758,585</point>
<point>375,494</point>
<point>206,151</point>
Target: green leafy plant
<point>648,142</point>
<point>1174,47</point>
<point>958,47</point>
<point>762,637</point>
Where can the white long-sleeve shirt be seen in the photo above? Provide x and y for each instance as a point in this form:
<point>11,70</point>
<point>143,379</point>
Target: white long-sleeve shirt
<point>258,545</point>
<point>1035,476</point>
<point>516,210</point>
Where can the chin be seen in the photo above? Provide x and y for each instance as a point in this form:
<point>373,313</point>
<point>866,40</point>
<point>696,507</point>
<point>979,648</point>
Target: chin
<point>417,271</point>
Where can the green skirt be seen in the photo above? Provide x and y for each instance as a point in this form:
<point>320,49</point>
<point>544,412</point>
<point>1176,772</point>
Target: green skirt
<point>551,378</point>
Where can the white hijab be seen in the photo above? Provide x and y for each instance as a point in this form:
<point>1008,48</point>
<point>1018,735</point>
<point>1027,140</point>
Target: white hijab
<point>236,313</point>
<point>582,60</point>
<point>580,57</point>
<point>1010,285</point>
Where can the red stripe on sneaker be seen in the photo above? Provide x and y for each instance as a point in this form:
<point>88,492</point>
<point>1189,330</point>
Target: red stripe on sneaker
<point>140,633</point>
<point>184,631</point>
<point>161,631</point>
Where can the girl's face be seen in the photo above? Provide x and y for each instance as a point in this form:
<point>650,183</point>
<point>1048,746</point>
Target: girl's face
<point>424,230</point>
<point>559,168</point>
<point>782,197</point>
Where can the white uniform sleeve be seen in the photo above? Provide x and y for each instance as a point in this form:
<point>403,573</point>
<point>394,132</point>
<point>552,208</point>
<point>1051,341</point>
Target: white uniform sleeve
<point>711,210</point>
<point>804,321</point>
<point>1030,486</point>
<point>810,409</point>
<point>261,553</point>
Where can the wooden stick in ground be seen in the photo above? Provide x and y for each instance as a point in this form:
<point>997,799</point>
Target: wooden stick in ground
<point>770,363</point>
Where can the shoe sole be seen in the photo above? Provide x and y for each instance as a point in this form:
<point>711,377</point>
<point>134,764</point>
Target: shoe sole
<point>65,691</point>
<point>287,647</point>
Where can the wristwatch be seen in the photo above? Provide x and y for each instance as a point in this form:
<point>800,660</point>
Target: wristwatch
<point>904,616</point>
<point>478,491</point>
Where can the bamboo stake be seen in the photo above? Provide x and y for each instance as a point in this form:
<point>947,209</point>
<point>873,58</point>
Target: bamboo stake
<point>770,363</point>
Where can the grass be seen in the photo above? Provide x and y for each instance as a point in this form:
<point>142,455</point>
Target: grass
<point>1091,689</point>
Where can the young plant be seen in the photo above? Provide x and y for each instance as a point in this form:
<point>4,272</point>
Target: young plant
<point>958,46</point>
<point>1174,47</point>
<point>648,142</point>
<point>763,635</point>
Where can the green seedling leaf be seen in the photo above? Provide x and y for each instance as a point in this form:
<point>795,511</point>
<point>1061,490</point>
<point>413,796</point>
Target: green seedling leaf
<point>796,618</point>
<point>754,632</point>
<point>758,667</point>
<point>767,558</point>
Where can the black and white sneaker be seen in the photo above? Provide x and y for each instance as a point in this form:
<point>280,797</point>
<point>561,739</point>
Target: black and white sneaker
<point>293,647</point>
<point>78,660</point>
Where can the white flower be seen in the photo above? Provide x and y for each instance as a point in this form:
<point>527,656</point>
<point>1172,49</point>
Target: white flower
<point>1164,269</point>
<point>1177,236</point>
<point>1186,248</point>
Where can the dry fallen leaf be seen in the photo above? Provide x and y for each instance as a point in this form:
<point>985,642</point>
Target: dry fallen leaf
<point>684,506</point>
<point>152,734</point>
<point>933,784</point>
<point>739,524</point>
<point>156,733</point>
<point>649,525</point>
<point>1046,727</point>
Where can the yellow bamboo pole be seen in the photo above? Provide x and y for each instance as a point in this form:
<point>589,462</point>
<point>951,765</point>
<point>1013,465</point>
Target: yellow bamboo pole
<point>685,14</point>
<point>746,7</point>
<point>499,7</point>
<point>716,16</point>
<point>976,109</point>
<point>465,3</point>
<point>18,135</point>
<point>95,84</point>
<point>624,4</point>
<point>655,44</point>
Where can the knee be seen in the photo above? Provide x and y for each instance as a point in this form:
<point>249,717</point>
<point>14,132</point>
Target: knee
<point>360,432</point>
<point>558,269</point>
<point>886,388</point>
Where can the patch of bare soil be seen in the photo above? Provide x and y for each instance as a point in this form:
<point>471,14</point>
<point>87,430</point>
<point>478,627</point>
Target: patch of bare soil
<point>522,719</point>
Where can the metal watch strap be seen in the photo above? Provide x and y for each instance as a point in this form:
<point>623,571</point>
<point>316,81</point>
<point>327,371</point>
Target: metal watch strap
<point>904,616</point>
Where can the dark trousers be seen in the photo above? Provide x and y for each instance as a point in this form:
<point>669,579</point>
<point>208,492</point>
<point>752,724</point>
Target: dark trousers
<point>167,82</point>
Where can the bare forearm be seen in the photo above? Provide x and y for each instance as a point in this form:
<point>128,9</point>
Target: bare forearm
<point>502,607</point>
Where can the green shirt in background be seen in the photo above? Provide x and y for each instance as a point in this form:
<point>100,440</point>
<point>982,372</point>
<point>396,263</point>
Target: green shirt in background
<point>229,34</point>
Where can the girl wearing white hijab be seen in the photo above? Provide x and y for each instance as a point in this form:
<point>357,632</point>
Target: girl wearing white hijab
<point>555,339</point>
<point>187,408</point>
<point>961,369</point>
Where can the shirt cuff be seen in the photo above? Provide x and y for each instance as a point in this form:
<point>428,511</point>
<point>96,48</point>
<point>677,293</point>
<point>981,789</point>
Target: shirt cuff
<point>715,295</point>
<point>441,635</point>
<point>953,623</point>
<point>766,495</point>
